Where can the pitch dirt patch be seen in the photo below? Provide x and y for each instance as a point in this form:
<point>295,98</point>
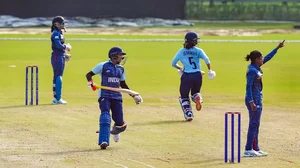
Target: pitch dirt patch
<point>151,31</point>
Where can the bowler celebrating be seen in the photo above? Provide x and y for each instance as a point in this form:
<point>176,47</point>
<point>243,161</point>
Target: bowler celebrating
<point>253,99</point>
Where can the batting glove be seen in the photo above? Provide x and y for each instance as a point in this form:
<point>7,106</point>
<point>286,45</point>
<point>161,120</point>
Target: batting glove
<point>138,99</point>
<point>92,85</point>
<point>179,72</point>
<point>211,74</point>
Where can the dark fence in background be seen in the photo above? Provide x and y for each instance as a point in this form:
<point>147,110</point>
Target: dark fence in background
<point>165,9</point>
<point>281,10</point>
<point>275,10</point>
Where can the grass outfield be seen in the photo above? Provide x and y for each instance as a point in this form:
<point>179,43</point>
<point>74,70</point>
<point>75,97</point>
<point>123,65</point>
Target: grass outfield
<point>157,136</point>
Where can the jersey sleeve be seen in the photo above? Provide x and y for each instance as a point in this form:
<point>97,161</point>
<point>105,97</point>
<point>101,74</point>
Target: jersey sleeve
<point>250,80</point>
<point>269,56</point>
<point>56,41</point>
<point>176,59</point>
<point>98,68</point>
<point>203,56</point>
<point>123,76</point>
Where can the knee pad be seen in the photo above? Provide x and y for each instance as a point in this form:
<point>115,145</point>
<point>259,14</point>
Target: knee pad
<point>118,129</point>
<point>194,97</point>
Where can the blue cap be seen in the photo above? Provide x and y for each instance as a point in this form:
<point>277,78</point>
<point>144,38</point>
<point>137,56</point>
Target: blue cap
<point>190,36</point>
<point>115,51</point>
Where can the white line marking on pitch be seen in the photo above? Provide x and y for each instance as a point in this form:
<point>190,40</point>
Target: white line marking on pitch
<point>145,164</point>
<point>114,163</point>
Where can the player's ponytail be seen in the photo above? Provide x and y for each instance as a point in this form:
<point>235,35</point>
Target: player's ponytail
<point>253,55</point>
<point>247,58</point>
<point>188,45</point>
<point>52,28</point>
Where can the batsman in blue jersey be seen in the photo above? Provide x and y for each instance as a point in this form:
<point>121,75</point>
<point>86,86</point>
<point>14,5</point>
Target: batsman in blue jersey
<point>253,99</point>
<point>58,57</point>
<point>112,75</point>
<point>191,78</point>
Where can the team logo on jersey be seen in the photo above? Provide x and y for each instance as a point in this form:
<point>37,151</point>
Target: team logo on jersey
<point>113,80</point>
<point>259,75</point>
<point>107,71</point>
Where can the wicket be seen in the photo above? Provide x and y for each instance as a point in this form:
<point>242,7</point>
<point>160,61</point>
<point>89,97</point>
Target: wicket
<point>31,85</point>
<point>232,137</point>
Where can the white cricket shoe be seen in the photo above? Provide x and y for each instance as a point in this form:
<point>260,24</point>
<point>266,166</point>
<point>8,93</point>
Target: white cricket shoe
<point>61,101</point>
<point>116,137</point>
<point>251,153</point>
<point>262,153</point>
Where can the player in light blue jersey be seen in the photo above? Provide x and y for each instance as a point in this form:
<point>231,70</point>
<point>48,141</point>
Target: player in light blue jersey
<point>191,78</point>
<point>112,75</point>
<point>58,57</point>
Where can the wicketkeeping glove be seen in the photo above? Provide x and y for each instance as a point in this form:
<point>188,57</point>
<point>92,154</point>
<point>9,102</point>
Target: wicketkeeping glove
<point>67,57</point>
<point>68,47</point>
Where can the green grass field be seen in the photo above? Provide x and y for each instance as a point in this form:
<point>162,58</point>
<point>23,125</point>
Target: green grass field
<point>157,135</point>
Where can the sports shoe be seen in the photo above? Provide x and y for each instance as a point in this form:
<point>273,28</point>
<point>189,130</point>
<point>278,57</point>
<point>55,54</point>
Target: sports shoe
<point>61,101</point>
<point>116,137</point>
<point>188,116</point>
<point>251,153</point>
<point>262,153</point>
<point>103,145</point>
<point>198,101</point>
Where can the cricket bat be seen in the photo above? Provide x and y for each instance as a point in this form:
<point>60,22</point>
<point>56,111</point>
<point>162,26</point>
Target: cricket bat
<point>118,90</point>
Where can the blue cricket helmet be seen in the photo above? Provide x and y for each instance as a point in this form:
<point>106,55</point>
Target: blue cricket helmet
<point>190,36</point>
<point>58,19</point>
<point>115,51</point>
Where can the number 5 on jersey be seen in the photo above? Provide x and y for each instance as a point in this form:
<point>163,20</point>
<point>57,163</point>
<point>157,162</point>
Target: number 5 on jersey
<point>192,63</point>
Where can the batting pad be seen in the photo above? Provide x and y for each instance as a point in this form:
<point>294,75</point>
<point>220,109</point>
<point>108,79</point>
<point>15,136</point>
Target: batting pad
<point>185,104</point>
<point>104,127</point>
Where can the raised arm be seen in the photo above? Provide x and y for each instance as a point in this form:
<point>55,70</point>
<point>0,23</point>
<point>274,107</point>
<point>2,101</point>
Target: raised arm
<point>273,52</point>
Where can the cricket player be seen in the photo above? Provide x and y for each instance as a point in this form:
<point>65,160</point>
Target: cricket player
<point>112,75</point>
<point>253,99</point>
<point>191,78</point>
<point>58,57</point>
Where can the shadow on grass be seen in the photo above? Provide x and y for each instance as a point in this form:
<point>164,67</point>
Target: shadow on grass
<point>72,151</point>
<point>23,106</point>
<point>208,162</point>
<point>164,122</point>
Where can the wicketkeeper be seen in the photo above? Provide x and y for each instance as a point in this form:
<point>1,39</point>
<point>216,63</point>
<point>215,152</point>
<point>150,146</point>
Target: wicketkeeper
<point>112,75</point>
<point>58,57</point>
